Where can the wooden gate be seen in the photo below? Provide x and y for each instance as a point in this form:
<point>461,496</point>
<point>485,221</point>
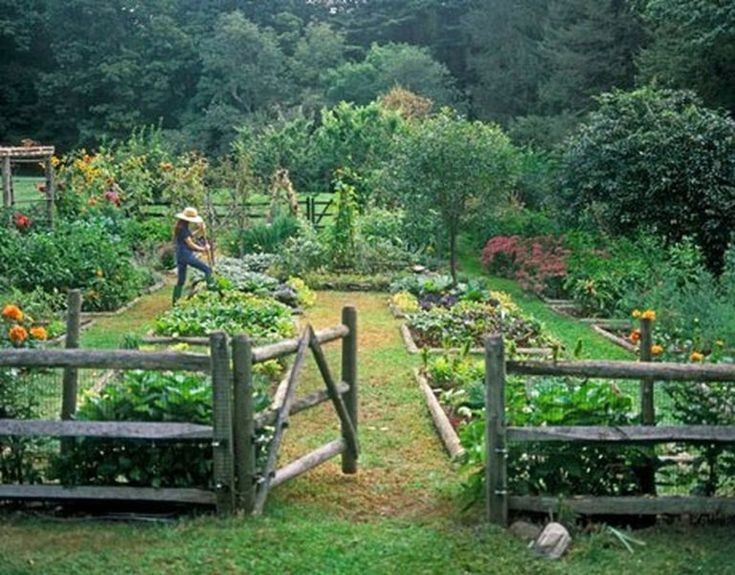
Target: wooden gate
<point>238,483</point>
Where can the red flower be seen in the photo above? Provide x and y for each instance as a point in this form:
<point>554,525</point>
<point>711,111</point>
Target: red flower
<point>22,222</point>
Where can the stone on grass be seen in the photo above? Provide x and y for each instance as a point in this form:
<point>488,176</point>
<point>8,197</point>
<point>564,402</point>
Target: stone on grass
<point>553,541</point>
<point>525,530</point>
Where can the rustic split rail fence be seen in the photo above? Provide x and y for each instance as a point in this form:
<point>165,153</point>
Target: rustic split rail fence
<point>238,484</point>
<point>498,434</point>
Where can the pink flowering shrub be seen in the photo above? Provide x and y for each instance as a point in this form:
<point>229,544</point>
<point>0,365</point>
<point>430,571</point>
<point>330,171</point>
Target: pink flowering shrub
<point>538,263</point>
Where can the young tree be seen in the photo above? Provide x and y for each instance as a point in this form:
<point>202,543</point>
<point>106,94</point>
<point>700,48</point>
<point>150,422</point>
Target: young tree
<point>446,167</point>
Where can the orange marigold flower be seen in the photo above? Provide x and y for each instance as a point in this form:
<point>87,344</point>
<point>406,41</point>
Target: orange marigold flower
<point>657,349</point>
<point>12,313</point>
<point>649,314</point>
<point>17,334</point>
<point>696,356</point>
<point>636,313</point>
<point>635,336</point>
<point>39,333</point>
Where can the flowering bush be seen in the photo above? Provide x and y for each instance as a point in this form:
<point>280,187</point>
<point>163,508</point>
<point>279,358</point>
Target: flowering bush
<point>21,222</point>
<point>538,263</point>
<point>18,329</point>
<point>76,254</point>
<point>128,175</point>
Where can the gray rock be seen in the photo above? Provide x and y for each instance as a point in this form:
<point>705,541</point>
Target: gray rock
<point>553,541</point>
<point>525,530</point>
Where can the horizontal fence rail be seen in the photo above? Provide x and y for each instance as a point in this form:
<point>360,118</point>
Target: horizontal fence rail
<point>625,370</point>
<point>499,434</point>
<point>238,484</point>
<point>104,359</point>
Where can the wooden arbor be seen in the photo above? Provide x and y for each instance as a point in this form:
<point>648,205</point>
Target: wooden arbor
<point>27,155</point>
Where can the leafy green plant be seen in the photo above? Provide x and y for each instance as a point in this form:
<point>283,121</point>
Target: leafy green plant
<point>77,254</point>
<point>263,237</point>
<point>559,469</point>
<point>145,396</point>
<point>233,312</point>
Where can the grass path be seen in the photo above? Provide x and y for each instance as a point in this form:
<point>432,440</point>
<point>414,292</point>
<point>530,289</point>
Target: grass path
<point>399,514</point>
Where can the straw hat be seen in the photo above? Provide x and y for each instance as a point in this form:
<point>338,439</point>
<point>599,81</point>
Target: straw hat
<point>190,215</point>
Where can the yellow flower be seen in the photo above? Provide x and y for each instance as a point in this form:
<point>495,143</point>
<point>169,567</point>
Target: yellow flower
<point>649,314</point>
<point>17,334</point>
<point>657,349</point>
<point>12,313</point>
<point>636,313</point>
<point>39,333</point>
<point>635,336</point>
<point>696,356</point>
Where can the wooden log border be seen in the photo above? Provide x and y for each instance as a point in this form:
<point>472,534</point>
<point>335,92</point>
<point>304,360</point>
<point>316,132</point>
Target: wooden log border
<point>616,339</point>
<point>114,493</point>
<point>447,434</point>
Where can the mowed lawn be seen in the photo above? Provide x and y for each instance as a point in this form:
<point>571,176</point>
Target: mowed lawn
<point>402,513</point>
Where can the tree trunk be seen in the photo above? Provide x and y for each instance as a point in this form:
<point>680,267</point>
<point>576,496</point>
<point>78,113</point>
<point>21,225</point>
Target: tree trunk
<point>453,256</point>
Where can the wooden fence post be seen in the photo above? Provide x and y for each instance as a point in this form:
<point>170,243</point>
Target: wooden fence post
<point>223,454</point>
<point>648,410</point>
<point>50,191</point>
<point>7,182</point>
<point>349,376</point>
<point>496,471</point>
<point>71,374</point>
<point>244,424</point>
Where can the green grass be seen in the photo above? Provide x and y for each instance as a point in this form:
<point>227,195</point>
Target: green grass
<point>400,514</point>
<point>24,189</point>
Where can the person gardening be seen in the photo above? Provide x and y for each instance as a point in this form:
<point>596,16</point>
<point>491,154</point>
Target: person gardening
<point>186,246</point>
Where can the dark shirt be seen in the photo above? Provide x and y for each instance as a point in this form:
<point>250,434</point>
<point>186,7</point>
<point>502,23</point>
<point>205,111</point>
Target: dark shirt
<point>182,249</point>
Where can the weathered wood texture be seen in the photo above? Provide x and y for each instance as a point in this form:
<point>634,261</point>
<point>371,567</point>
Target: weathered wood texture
<point>49,190</point>
<point>289,346</point>
<point>449,437</point>
<point>648,411</point>
<point>71,374</point>
<point>106,429</point>
<point>27,151</point>
<point>122,493</point>
<point>496,470</point>
<point>222,444</point>
<point>280,425</point>
<point>631,434</point>
<point>348,429</point>
<point>7,182</point>
<point>309,461</point>
<point>625,370</point>
<point>301,404</point>
<point>624,343</point>
<point>626,505</point>
<point>350,377</point>
<point>244,423</point>
<point>105,359</point>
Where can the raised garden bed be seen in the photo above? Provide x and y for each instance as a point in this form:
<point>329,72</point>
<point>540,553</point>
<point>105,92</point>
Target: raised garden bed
<point>413,348</point>
<point>443,425</point>
<point>102,314</point>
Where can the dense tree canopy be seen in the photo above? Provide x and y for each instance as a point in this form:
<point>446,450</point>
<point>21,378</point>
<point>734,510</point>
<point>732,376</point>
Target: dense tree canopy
<point>655,160</point>
<point>79,71</point>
